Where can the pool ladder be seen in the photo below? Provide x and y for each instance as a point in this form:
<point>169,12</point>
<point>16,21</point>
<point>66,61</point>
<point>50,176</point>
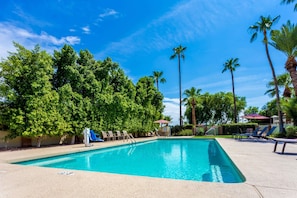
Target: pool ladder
<point>131,139</point>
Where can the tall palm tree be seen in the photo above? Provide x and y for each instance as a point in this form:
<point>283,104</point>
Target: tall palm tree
<point>264,26</point>
<point>230,65</point>
<point>179,53</point>
<point>285,40</point>
<point>157,76</point>
<point>191,101</point>
<point>290,1</point>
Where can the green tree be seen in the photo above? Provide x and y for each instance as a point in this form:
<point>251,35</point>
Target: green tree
<point>290,1</point>
<point>64,61</point>
<point>179,53</point>
<point>285,40</point>
<point>157,76</point>
<point>32,101</point>
<point>192,95</point>
<point>231,65</point>
<point>264,26</point>
<point>251,110</point>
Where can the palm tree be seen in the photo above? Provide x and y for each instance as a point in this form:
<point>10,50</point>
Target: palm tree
<point>264,26</point>
<point>285,40</point>
<point>191,101</point>
<point>284,81</point>
<point>179,53</point>
<point>230,65</point>
<point>290,1</point>
<point>157,75</point>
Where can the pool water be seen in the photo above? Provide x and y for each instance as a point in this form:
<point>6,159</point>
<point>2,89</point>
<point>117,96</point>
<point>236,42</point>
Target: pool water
<point>185,159</point>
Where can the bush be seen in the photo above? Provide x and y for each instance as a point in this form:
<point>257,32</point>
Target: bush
<point>229,129</point>
<point>186,132</point>
<point>291,132</point>
<point>176,129</point>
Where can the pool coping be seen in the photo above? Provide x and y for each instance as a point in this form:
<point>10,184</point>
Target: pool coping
<point>255,159</point>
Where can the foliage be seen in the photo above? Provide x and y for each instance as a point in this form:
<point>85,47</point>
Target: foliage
<point>229,129</point>
<point>291,131</point>
<point>215,108</point>
<point>251,110</point>
<point>290,108</point>
<point>64,93</point>
<point>269,109</point>
<point>176,129</point>
<point>285,40</point>
<point>191,101</point>
<point>157,77</point>
<point>290,1</point>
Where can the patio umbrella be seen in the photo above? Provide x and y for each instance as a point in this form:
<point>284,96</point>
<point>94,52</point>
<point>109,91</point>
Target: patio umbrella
<point>162,121</point>
<point>255,116</point>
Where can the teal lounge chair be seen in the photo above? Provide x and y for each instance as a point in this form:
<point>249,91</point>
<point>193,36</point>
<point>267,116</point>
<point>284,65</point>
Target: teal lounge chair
<point>94,137</point>
<point>265,135</point>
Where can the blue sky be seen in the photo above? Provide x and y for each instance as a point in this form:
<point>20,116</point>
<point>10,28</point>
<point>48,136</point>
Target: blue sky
<point>140,35</point>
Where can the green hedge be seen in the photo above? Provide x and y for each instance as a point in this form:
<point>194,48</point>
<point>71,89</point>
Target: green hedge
<point>228,129</point>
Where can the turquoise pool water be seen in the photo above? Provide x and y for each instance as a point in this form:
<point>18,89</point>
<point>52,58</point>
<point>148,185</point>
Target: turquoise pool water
<point>186,159</point>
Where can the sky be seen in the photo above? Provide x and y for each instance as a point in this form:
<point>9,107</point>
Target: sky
<point>140,37</point>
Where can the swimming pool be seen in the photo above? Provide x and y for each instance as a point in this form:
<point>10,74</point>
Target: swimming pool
<point>186,159</point>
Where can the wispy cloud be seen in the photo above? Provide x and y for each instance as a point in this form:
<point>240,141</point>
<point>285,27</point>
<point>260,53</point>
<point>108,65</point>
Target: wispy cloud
<point>10,33</point>
<point>184,22</point>
<point>86,30</point>
<point>28,18</point>
<point>107,13</point>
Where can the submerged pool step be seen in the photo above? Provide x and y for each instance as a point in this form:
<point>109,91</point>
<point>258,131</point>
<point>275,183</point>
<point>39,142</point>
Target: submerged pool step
<point>216,173</point>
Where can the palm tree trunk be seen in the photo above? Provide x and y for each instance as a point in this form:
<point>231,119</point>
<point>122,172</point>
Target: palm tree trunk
<point>291,67</point>
<point>180,98</point>
<point>234,98</point>
<point>194,117</point>
<point>280,114</point>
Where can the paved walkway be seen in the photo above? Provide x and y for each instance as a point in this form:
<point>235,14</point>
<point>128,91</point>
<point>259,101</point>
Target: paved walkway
<point>267,174</point>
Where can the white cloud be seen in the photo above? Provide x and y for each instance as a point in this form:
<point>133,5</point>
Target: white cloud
<point>108,12</point>
<point>86,30</point>
<point>10,33</point>
<point>172,109</point>
<point>185,22</point>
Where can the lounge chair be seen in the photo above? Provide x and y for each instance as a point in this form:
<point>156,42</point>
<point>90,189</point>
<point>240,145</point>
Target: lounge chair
<point>94,137</point>
<point>266,135</point>
<point>105,136</point>
<point>259,134</point>
<point>119,135</point>
<point>246,135</point>
<point>284,141</point>
<point>125,135</point>
<point>111,136</point>
<point>263,134</point>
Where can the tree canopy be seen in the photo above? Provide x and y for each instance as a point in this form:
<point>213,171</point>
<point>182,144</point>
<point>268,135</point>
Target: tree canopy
<point>66,92</point>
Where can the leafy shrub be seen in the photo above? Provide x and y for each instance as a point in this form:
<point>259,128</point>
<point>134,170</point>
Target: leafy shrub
<point>186,132</point>
<point>291,131</point>
<point>176,129</point>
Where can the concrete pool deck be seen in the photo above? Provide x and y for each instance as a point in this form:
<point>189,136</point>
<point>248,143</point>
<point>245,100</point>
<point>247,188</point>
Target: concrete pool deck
<point>267,174</point>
